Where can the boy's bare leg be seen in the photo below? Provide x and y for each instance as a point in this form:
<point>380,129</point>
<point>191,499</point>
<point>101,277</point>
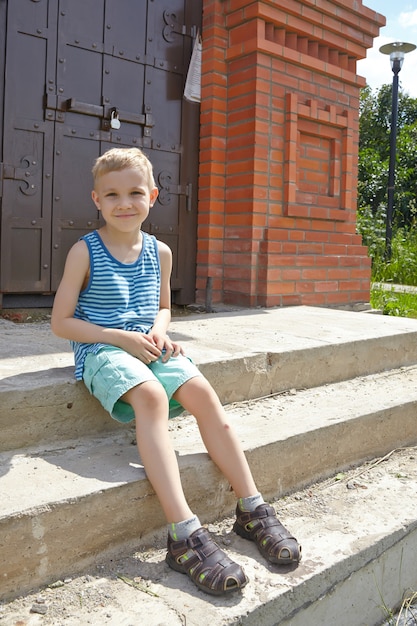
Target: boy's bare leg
<point>150,404</point>
<point>199,398</point>
<point>259,524</point>
<point>195,555</point>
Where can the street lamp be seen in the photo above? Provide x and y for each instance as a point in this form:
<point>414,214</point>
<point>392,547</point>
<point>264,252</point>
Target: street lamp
<point>396,51</point>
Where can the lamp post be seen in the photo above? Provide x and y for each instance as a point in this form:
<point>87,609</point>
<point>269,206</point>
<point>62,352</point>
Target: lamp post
<point>396,51</point>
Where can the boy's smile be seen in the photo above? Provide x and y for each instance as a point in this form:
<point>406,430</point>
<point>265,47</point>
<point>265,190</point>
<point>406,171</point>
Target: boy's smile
<point>123,197</point>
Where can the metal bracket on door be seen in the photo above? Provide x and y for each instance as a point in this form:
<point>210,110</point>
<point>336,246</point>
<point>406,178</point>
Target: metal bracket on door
<point>187,191</point>
<point>72,105</point>
<point>64,105</point>
<point>106,111</point>
<point>8,172</point>
<point>167,188</point>
<point>85,108</point>
<point>173,26</point>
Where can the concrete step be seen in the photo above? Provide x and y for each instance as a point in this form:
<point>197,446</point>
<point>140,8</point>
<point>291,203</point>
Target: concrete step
<point>359,535</point>
<point>65,506</point>
<point>245,354</point>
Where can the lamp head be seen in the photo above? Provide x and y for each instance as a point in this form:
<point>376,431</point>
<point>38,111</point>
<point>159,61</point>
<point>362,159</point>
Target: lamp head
<point>397,51</point>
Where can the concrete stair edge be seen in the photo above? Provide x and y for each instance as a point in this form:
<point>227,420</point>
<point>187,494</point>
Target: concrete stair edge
<point>353,581</point>
<point>117,513</point>
<point>338,589</point>
<point>359,556</point>
<point>64,409</point>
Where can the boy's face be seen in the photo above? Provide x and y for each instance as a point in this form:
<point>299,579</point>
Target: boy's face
<point>124,198</point>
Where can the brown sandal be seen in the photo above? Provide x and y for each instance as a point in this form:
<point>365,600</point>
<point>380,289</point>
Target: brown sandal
<point>205,563</point>
<point>274,541</point>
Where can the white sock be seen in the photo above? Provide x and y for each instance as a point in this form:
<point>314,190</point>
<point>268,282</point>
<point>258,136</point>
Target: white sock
<point>182,530</point>
<point>251,502</point>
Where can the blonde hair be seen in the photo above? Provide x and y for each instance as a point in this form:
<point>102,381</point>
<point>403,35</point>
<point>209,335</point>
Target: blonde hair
<point>117,159</point>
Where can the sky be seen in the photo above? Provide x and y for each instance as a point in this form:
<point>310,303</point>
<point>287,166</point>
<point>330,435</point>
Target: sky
<point>401,26</point>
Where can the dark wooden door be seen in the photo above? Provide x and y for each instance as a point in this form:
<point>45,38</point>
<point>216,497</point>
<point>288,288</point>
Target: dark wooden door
<point>70,67</point>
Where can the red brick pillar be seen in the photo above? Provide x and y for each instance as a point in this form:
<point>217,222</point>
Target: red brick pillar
<point>279,144</point>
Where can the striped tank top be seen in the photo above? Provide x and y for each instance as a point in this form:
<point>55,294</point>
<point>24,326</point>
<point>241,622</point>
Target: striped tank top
<point>118,295</point>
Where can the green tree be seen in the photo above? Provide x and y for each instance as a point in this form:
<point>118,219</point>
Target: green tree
<point>374,147</point>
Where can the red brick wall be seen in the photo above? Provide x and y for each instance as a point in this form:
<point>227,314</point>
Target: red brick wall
<point>278,152</point>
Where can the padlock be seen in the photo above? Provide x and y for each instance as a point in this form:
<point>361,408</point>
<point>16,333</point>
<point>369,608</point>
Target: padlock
<point>114,120</point>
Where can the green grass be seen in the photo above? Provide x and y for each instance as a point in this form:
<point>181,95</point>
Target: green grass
<point>399,269</point>
<point>392,302</point>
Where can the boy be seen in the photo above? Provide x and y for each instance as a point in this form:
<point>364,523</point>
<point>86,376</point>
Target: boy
<point>114,305</point>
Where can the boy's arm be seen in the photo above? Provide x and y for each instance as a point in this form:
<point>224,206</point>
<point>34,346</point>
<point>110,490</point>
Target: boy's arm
<point>159,329</point>
<point>163,318</point>
<point>64,324</point>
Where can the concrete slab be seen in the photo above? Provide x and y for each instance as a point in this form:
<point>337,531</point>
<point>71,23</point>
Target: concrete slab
<point>212,337</point>
<point>245,354</point>
<point>91,497</point>
<point>67,506</point>
<point>359,536</point>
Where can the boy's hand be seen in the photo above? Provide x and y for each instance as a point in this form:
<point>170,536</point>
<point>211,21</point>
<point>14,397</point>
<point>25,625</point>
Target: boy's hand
<point>142,346</point>
<point>167,347</point>
<point>171,348</point>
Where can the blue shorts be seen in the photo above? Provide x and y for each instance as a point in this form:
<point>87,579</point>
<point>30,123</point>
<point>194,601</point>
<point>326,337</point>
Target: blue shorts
<point>110,373</point>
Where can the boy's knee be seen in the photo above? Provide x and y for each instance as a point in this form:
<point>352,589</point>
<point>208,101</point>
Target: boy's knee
<point>197,387</point>
<point>148,393</point>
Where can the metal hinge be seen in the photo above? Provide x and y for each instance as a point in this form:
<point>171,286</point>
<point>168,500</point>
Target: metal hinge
<point>172,26</point>
<point>187,191</point>
<point>183,190</point>
<point>23,174</point>
<point>167,188</point>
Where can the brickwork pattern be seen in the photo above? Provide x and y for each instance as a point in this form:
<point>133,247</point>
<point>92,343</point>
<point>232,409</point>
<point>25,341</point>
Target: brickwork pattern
<point>278,152</point>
